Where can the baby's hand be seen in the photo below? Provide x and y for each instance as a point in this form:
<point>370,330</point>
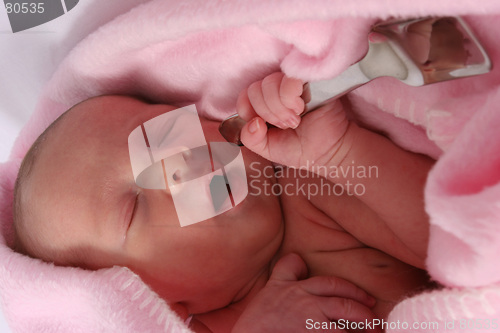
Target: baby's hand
<point>289,304</point>
<point>278,100</point>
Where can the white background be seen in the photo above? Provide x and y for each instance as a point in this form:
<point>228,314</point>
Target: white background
<point>28,58</point>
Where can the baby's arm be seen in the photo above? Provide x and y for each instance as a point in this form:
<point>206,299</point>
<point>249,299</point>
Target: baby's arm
<point>395,191</point>
<point>290,303</point>
<point>325,138</point>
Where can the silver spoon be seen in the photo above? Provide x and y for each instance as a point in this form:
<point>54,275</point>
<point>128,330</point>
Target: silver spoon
<point>416,52</point>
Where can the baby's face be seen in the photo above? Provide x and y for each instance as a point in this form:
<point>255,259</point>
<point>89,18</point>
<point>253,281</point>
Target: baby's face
<point>84,204</point>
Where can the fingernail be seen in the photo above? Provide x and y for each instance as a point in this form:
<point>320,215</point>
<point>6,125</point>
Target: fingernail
<point>293,122</point>
<point>253,127</point>
<point>282,125</point>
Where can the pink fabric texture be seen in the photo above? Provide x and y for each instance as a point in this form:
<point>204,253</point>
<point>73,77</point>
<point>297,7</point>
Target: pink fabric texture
<point>205,52</point>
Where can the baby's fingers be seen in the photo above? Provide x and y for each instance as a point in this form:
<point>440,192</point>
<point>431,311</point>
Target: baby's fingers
<point>348,314</point>
<point>271,90</point>
<point>254,137</point>
<point>244,107</point>
<point>289,268</point>
<point>332,286</point>
<point>291,91</point>
<point>256,97</point>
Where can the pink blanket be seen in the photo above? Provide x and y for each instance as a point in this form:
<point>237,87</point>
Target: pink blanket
<point>205,52</point>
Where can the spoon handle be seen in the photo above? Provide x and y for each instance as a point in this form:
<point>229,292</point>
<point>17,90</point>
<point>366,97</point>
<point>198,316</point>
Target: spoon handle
<point>323,92</point>
<point>416,51</point>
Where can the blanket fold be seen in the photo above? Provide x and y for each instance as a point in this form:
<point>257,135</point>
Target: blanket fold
<point>205,52</point>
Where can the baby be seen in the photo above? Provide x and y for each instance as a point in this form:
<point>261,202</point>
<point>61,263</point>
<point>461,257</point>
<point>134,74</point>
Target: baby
<point>273,263</point>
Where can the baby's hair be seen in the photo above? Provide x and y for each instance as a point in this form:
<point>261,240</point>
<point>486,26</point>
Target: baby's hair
<point>27,165</point>
<point>24,241</point>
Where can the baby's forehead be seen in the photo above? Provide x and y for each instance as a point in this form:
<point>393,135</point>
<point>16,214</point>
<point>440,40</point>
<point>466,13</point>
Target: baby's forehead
<point>107,105</point>
<point>88,124</point>
<point>98,114</point>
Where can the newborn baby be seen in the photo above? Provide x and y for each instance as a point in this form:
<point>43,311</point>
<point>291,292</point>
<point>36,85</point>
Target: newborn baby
<point>271,261</point>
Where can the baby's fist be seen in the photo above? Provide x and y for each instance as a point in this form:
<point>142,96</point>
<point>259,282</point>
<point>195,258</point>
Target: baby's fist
<point>276,99</point>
